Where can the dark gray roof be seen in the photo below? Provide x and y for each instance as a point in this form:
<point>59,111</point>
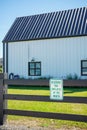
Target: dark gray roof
<point>50,25</point>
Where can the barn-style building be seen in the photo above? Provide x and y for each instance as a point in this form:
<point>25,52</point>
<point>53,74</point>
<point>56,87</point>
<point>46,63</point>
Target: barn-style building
<point>47,45</point>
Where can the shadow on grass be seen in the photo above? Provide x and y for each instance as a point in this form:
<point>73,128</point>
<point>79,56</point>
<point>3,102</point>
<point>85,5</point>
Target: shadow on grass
<point>73,90</point>
<point>29,87</point>
<point>67,90</point>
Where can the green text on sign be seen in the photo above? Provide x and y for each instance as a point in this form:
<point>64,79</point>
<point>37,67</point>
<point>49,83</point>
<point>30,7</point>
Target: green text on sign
<point>56,89</point>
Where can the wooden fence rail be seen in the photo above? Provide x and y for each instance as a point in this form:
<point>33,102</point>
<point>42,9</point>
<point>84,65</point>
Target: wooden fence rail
<point>45,82</point>
<point>50,115</point>
<point>67,99</point>
<point>4,97</point>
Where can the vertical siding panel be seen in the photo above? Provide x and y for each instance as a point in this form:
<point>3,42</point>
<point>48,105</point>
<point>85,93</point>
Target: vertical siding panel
<point>59,57</point>
<point>18,56</point>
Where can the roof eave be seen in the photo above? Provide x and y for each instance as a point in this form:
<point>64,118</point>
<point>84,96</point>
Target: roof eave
<point>44,38</point>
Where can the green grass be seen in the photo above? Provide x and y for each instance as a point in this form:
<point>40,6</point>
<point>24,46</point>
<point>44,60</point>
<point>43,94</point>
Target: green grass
<point>69,108</point>
<point>0,69</point>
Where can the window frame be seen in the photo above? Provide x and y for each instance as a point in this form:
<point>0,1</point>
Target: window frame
<point>83,67</point>
<point>34,69</point>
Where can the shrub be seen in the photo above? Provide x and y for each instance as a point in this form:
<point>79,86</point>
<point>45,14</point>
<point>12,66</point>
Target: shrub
<point>70,76</point>
<point>75,76</point>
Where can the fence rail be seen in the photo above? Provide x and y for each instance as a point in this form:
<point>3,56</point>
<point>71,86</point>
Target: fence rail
<point>4,97</point>
<point>62,116</point>
<point>44,82</point>
<point>67,99</point>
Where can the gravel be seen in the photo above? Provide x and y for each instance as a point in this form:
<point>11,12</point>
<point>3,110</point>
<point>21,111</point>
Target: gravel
<point>33,125</point>
<point>22,127</point>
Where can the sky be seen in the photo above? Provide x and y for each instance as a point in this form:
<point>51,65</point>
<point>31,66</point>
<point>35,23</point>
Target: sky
<point>10,9</point>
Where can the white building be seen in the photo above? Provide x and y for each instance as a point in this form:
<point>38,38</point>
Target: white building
<point>47,45</point>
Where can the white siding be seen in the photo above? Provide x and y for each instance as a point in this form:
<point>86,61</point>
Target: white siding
<point>18,58</point>
<point>59,57</point>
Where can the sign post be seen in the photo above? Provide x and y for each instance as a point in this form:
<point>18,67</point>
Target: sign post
<point>56,89</point>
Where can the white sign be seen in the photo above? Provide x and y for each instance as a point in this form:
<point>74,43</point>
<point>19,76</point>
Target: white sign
<point>56,89</point>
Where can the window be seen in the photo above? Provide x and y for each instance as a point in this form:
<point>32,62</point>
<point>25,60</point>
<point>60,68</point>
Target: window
<point>84,67</point>
<point>34,68</point>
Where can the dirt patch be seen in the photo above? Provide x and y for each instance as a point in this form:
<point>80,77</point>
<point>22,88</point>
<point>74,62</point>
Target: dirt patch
<point>32,125</point>
<point>22,127</point>
<point>37,124</point>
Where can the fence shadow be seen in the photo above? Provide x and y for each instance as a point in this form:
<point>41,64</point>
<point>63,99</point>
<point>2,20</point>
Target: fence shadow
<point>73,90</point>
<point>24,87</point>
<point>67,90</point>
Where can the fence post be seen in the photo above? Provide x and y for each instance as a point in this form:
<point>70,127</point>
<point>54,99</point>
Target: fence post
<point>5,88</point>
<point>1,99</point>
<point>3,102</point>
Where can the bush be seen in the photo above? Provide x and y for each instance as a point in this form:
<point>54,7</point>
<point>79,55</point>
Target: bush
<point>70,76</point>
<point>75,76</point>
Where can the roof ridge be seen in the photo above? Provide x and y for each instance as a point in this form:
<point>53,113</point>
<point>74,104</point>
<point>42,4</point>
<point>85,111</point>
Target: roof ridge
<point>51,12</point>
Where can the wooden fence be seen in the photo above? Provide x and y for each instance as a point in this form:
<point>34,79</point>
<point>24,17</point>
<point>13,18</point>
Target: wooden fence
<point>4,97</point>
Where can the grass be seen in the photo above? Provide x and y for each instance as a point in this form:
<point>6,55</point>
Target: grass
<point>48,106</point>
<point>0,69</point>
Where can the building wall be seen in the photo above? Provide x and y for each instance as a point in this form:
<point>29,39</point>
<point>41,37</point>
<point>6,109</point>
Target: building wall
<point>59,57</point>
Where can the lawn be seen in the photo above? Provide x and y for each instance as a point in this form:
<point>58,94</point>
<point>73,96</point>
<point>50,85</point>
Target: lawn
<point>48,106</point>
<point>0,69</point>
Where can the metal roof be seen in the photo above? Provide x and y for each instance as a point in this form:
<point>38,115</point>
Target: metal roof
<point>49,25</point>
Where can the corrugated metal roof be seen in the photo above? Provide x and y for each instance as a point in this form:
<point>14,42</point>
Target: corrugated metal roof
<point>50,25</point>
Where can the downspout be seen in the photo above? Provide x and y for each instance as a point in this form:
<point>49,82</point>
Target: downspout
<point>5,57</point>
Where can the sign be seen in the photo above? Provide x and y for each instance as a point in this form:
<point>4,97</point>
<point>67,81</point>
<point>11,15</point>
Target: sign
<point>56,89</point>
